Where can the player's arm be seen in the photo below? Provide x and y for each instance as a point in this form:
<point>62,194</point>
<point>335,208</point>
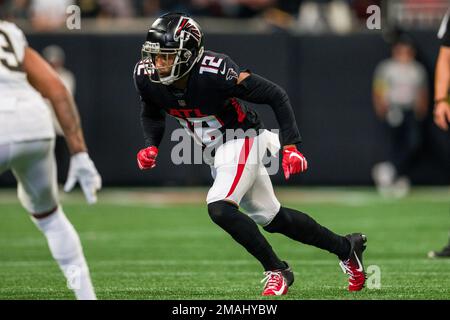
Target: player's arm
<point>378,98</point>
<point>442,84</point>
<point>153,122</point>
<point>153,126</point>
<point>254,88</point>
<point>46,81</point>
<point>379,90</point>
<point>422,102</point>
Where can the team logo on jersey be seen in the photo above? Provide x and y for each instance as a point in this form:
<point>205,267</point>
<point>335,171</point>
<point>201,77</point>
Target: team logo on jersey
<point>145,66</point>
<point>189,27</point>
<point>231,74</point>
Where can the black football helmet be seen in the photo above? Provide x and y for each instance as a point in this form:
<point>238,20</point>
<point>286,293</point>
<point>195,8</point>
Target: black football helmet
<point>172,34</point>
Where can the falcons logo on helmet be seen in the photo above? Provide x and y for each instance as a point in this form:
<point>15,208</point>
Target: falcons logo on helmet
<point>190,28</point>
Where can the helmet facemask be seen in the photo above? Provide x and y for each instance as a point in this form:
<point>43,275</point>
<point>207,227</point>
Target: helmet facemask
<point>182,61</point>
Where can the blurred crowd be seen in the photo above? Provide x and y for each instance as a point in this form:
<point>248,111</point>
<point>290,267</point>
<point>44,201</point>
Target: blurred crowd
<point>142,8</point>
<point>313,14</point>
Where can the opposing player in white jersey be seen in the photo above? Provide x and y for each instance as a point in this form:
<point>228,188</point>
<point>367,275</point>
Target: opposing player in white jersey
<point>26,148</point>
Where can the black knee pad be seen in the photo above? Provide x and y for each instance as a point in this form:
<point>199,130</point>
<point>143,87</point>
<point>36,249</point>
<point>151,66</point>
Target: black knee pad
<point>221,211</point>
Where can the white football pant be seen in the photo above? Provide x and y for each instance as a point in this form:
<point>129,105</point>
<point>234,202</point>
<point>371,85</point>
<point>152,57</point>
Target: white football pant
<point>33,165</point>
<point>240,176</point>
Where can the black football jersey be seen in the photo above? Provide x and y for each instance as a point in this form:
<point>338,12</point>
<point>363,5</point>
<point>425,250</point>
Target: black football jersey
<point>206,108</point>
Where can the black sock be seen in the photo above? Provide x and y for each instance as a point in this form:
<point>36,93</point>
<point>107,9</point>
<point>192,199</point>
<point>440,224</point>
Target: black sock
<point>246,232</point>
<point>301,227</point>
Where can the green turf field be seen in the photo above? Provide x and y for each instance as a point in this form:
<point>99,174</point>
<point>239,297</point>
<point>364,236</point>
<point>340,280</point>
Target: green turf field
<point>148,244</point>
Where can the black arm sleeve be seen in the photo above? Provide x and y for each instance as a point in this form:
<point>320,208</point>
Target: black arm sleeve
<point>152,117</point>
<point>153,123</point>
<point>257,89</point>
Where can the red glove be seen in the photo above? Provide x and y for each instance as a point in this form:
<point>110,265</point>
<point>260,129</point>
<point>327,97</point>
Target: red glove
<point>146,158</point>
<point>293,162</point>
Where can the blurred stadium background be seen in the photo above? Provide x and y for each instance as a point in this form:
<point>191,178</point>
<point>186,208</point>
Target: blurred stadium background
<point>321,52</point>
<point>324,55</point>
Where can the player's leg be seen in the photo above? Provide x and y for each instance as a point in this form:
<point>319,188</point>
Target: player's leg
<point>301,227</point>
<point>404,145</point>
<point>244,231</point>
<point>234,175</point>
<point>411,141</point>
<point>34,167</point>
<point>262,206</point>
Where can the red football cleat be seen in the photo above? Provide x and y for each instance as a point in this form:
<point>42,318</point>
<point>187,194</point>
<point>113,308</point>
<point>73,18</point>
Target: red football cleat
<point>353,266</point>
<point>276,284</point>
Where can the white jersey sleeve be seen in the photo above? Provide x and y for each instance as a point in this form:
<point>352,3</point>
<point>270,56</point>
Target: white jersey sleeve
<point>24,115</point>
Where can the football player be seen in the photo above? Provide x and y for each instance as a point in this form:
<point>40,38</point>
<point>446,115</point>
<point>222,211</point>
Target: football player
<point>26,148</point>
<point>204,91</point>
<point>442,101</point>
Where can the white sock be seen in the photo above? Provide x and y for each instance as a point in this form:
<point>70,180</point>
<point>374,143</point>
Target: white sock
<point>66,249</point>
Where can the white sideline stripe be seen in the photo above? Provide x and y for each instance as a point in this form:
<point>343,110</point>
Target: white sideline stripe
<point>162,197</point>
<point>380,262</point>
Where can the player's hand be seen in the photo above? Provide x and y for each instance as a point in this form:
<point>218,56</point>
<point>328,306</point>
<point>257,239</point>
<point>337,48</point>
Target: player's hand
<point>293,161</point>
<point>146,158</point>
<point>442,115</point>
<point>83,171</point>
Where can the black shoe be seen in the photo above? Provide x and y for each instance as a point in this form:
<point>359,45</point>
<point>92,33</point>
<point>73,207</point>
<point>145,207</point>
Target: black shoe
<point>353,265</point>
<point>288,274</point>
<point>444,253</point>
